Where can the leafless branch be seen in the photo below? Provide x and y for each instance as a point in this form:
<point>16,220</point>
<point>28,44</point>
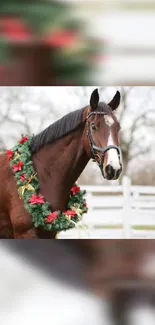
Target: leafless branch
<point>138,153</point>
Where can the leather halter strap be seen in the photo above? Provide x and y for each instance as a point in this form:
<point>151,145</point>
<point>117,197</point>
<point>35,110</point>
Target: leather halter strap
<point>95,148</point>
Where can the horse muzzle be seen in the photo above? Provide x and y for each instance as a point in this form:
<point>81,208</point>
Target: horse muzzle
<point>110,173</point>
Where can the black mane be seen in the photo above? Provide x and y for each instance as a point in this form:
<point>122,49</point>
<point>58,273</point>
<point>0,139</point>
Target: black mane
<point>62,127</point>
<point>58,129</point>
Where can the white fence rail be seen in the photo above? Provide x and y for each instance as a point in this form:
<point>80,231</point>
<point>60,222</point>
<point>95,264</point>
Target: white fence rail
<point>122,211</point>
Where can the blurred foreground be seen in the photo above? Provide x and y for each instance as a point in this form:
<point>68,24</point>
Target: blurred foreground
<point>77,42</point>
<point>44,43</point>
<point>80,282</point>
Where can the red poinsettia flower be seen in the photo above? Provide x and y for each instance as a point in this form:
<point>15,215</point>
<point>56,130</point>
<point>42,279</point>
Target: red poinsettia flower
<point>24,139</point>
<point>85,204</point>
<point>10,154</point>
<point>23,177</point>
<point>18,166</point>
<point>60,38</point>
<point>52,216</point>
<point>70,213</point>
<point>35,199</point>
<point>75,189</point>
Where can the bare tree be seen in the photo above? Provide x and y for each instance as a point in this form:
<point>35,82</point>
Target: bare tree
<point>17,115</point>
<point>132,146</point>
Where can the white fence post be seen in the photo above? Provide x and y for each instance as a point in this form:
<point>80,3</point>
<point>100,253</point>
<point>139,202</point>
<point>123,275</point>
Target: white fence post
<point>127,210</point>
<point>91,211</point>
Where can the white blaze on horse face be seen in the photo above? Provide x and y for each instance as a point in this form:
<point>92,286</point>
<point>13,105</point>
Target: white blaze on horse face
<point>113,158</point>
<point>109,120</point>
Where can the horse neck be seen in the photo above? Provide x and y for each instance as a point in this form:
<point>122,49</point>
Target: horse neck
<point>59,165</point>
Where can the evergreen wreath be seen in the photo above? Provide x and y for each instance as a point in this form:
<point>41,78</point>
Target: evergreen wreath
<point>28,189</point>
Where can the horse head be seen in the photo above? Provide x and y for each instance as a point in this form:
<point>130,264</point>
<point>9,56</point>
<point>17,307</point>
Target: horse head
<point>102,135</point>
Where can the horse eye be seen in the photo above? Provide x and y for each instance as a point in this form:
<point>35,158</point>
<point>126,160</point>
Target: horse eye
<point>93,127</point>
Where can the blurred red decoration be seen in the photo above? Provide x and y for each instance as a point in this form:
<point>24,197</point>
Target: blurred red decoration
<point>60,38</point>
<point>14,29</point>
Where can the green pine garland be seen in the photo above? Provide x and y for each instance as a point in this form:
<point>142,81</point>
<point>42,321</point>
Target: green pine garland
<point>28,189</point>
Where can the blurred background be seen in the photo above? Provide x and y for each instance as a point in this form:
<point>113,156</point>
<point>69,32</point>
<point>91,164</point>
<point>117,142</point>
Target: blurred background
<point>82,282</point>
<point>77,42</point>
<point>124,208</point>
<point>45,43</point>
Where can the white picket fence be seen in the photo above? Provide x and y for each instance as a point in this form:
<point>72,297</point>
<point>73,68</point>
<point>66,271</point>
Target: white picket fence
<point>122,211</point>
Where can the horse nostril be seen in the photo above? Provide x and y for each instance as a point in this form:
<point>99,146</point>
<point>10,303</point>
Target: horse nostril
<point>118,173</point>
<point>110,172</point>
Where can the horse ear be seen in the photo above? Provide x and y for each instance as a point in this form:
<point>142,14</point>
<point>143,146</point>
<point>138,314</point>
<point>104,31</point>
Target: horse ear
<point>94,99</point>
<point>115,101</point>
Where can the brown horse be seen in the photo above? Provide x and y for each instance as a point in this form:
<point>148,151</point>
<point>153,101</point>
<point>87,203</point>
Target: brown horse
<point>60,154</point>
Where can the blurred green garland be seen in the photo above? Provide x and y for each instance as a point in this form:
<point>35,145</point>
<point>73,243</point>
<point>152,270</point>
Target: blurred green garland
<point>73,54</point>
